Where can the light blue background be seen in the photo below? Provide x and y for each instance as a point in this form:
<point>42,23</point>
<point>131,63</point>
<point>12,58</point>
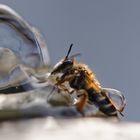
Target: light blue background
<point>106,32</point>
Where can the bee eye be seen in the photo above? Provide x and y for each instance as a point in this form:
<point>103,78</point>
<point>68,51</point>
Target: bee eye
<point>67,63</point>
<point>62,67</point>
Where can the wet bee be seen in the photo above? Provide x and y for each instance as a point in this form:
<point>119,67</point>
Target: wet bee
<point>77,76</point>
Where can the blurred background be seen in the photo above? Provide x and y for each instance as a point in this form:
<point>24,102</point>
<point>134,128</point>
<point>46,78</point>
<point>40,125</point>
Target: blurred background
<point>106,33</point>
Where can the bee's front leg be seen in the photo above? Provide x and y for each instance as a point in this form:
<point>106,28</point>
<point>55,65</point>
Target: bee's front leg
<point>62,88</point>
<point>62,79</point>
<point>60,83</point>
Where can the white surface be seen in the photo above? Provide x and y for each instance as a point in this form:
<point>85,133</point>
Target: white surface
<point>70,129</point>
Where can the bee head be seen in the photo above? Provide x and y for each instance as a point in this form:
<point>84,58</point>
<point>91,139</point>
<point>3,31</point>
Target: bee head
<point>65,64</point>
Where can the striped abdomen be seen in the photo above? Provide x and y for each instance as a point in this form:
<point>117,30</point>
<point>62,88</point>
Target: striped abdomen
<point>102,101</point>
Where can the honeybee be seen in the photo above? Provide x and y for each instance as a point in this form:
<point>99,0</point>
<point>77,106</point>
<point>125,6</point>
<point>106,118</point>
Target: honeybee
<point>82,80</point>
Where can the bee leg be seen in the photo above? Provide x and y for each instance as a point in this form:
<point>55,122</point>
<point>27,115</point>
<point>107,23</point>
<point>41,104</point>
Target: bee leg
<point>62,88</point>
<point>59,85</point>
<point>64,79</point>
<point>60,82</point>
<point>72,92</point>
<point>83,98</point>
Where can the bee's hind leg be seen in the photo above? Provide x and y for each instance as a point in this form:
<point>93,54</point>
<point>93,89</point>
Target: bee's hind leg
<point>83,99</point>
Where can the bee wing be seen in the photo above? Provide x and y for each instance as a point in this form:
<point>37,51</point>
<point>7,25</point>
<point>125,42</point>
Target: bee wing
<point>116,98</point>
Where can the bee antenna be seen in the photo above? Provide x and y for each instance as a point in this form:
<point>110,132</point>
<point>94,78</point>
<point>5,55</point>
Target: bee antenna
<point>69,51</point>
